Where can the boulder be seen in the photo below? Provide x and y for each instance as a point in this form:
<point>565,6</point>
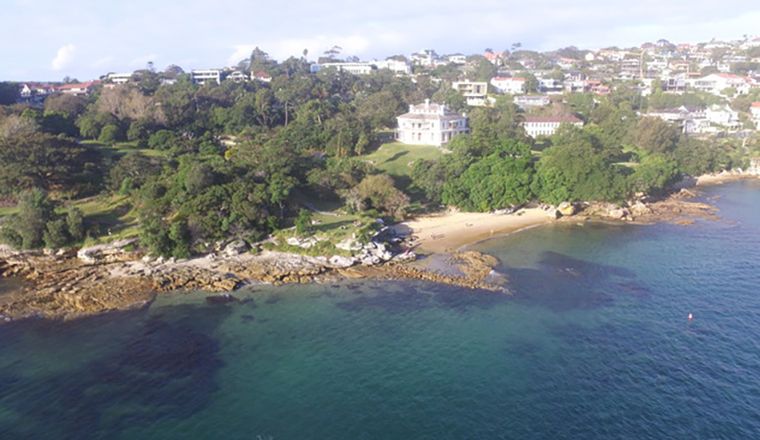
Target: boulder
<point>618,213</point>
<point>350,245</point>
<point>341,262</point>
<point>566,209</point>
<point>235,248</point>
<point>304,243</point>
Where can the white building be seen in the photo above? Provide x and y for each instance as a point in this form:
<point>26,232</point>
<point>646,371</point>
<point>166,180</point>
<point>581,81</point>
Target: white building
<point>476,92</point>
<point>723,116</point>
<point>205,75</point>
<point>425,57</point>
<point>119,78</point>
<point>513,85</point>
<point>754,111</point>
<point>360,68</point>
<point>547,125</point>
<point>429,124</point>
<point>457,58</point>
<point>398,67</point>
<point>238,77</point>
<point>529,101</point>
<point>716,83</point>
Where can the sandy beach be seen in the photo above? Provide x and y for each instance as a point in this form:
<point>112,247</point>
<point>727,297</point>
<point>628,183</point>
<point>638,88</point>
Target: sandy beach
<point>450,231</point>
<point>717,179</point>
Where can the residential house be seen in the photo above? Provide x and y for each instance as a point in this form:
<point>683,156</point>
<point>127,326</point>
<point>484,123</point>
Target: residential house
<point>429,124</point>
<point>456,58</point>
<point>551,86</point>
<point>399,67</point>
<point>262,76</point>
<point>119,78</point>
<point>425,57</point>
<point>476,92</point>
<point>716,83</point>
<point>237,76</point>
<point>496,58</point>
<point>547,125</point>
<point>358,68</point>
<point>512,85</point>
<point>723,116</point>
<point>531,101</point>
<point>77,89</point>
<point>754,110</point>
<point>203,76</point>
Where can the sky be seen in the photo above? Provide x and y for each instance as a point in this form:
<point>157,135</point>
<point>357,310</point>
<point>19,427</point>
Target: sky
<point>51,39</point>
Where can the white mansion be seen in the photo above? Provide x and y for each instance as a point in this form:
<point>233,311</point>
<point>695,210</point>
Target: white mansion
<point>429,124</point>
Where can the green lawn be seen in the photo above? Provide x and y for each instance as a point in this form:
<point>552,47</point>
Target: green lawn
<point>108,218</point>
<point>397,159</point>
<point>6,211</point>
<point>122,148</point>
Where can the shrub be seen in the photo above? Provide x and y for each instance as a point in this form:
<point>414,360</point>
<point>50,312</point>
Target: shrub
<point>303,223</point>
<point>56,234</point>
<point>110,134</point>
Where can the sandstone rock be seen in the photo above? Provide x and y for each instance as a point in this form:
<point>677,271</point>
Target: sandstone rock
<point>618,213</point>
<point>349,244</point>
<point>106,253</point>
<point>341,262</point>
<point>235,248</point>
<point>304,243</point>
<point>566,209</point>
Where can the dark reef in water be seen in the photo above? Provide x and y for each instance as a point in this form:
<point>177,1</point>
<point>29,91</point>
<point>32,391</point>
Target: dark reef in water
<point>165,368</point>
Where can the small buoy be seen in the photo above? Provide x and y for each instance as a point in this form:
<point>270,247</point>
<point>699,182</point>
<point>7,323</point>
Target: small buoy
<point>691,316</point>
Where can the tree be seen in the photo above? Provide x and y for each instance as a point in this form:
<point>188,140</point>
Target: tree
<point>654,173</point>
<point>303,223</point>
<point>56,234</point>
<point>35,210</point>
<point>379,192</point>
<point>45,161</point>
<point>179,235</point>
<point>9,93</point>
<point>656,136</point>
<point>577,168</point>
<point>75,224</point>
<point>110,134</point>
<point>500,180</point>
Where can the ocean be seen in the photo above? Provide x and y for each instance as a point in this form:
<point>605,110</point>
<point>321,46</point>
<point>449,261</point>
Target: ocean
<point>594,343</point>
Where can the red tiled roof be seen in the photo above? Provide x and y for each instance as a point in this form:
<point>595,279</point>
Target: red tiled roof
<point>756,105</point>
<point>559,118</point>
<point>84,85</point>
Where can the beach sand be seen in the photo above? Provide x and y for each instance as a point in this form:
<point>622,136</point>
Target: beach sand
<point>450,231</point>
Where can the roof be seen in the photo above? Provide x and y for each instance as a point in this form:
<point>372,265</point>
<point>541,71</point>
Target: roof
<point>755,105</point>
<point>504,78</point>
<point>84,85</point>
<point>558,118</point>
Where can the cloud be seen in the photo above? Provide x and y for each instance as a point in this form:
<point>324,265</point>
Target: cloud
<point>63,57</point>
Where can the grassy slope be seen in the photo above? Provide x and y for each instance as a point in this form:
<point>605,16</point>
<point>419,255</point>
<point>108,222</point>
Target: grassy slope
<point>397,159</point>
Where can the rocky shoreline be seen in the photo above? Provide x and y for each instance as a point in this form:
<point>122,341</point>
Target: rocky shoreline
<point>65,285</point>
<point>71,284</point>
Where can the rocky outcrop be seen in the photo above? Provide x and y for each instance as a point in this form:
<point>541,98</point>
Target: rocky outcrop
<point>108,253</point>
<point>64,288</point>
<point>235,248</point>
<point>566,209</point>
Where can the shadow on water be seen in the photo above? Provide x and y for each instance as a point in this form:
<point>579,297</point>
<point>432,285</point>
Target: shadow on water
<point>561,282</point>
<point>164,368</point>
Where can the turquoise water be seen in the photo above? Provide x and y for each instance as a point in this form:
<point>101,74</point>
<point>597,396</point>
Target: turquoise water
<point>595,344</point>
